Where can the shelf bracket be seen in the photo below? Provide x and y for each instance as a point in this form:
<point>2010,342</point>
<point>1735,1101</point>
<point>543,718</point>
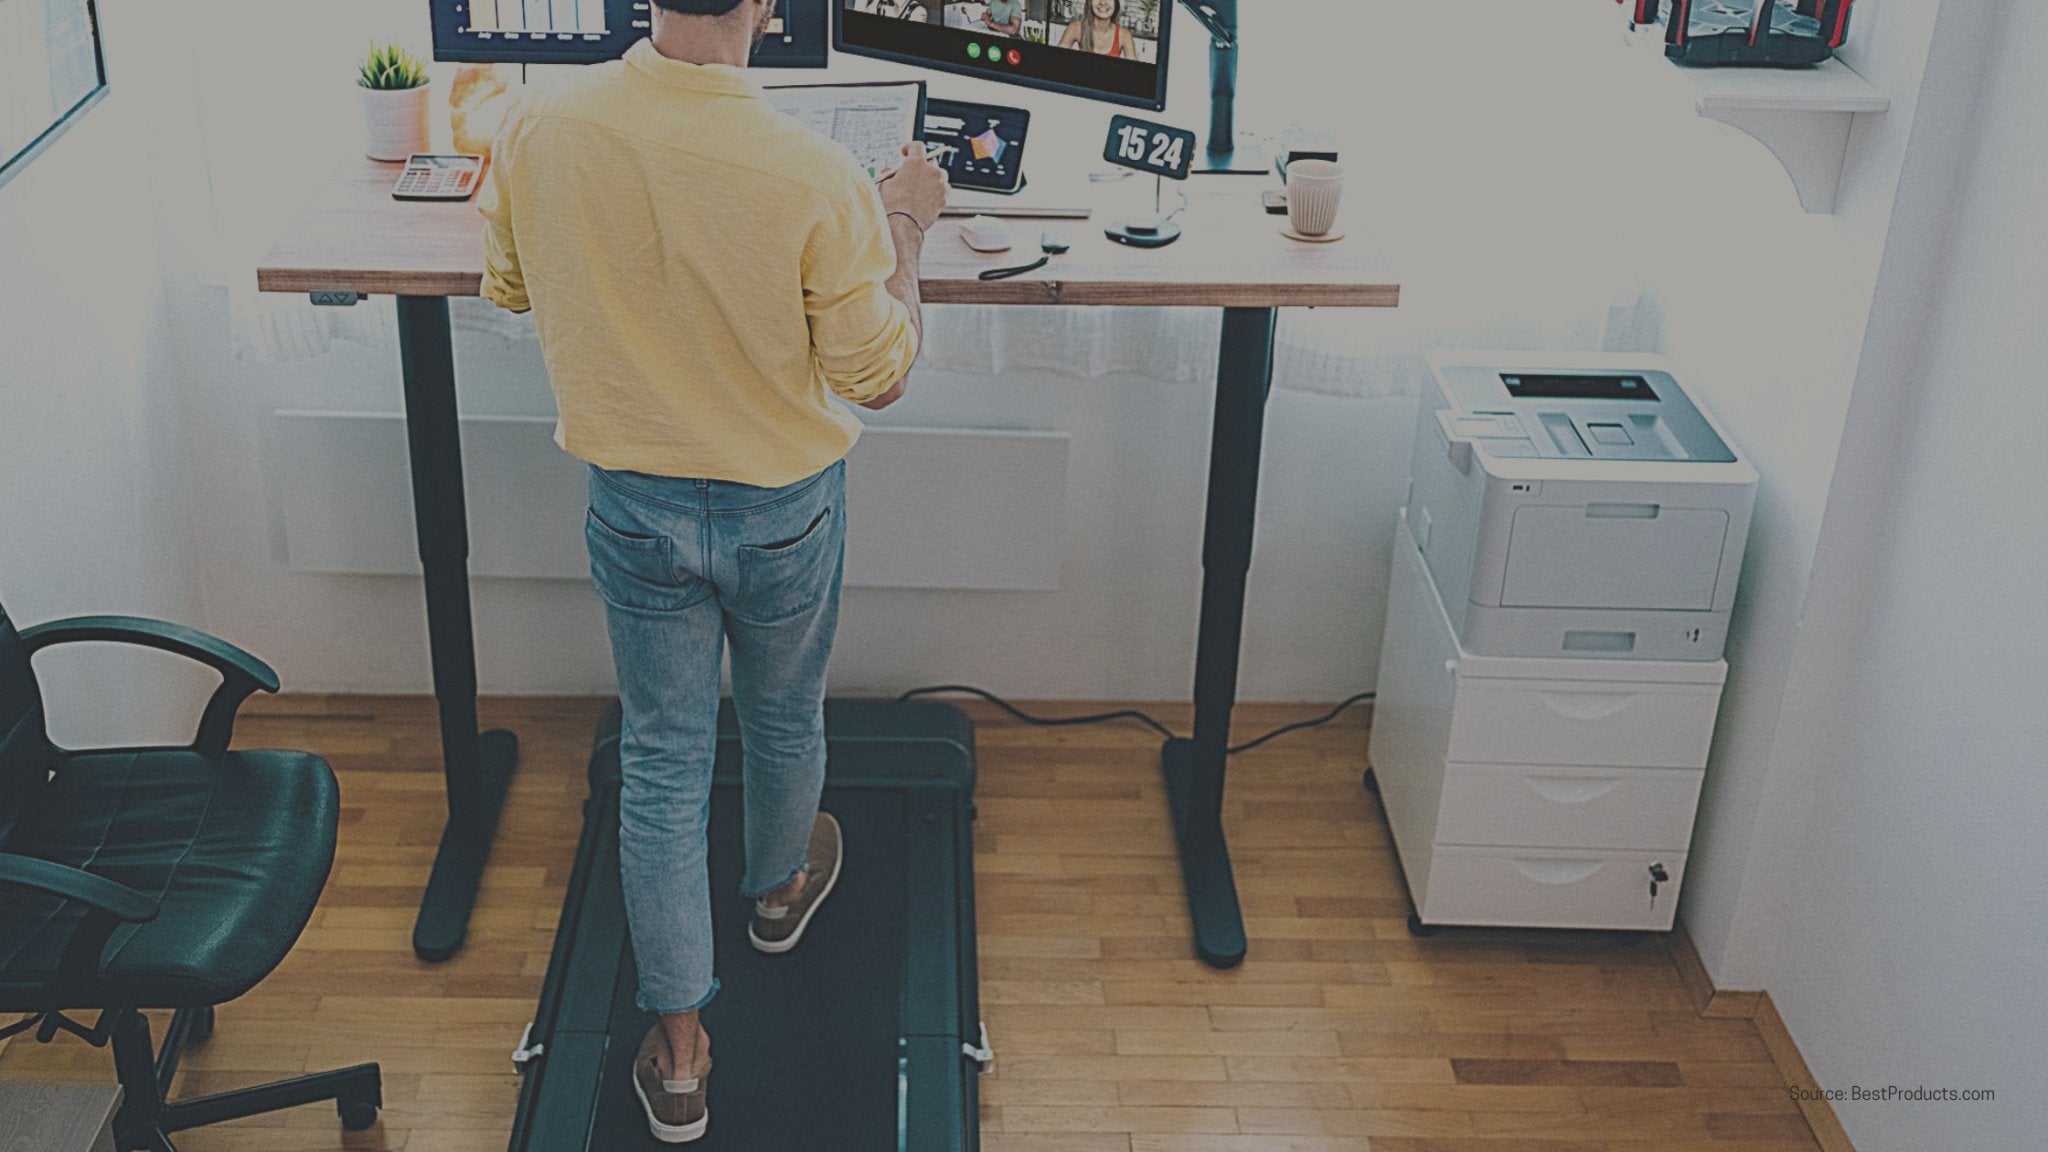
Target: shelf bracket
<point>1811,146</point>
<point>1803,116</point>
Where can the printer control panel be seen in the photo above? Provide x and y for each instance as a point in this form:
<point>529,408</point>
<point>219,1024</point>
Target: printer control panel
<point>1636,416</point>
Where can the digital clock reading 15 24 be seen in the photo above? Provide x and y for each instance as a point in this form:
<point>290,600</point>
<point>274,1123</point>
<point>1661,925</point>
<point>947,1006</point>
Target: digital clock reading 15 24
<point>1147,147</point>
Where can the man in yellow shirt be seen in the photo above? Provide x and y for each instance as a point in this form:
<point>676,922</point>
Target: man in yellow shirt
<point>711,281</point>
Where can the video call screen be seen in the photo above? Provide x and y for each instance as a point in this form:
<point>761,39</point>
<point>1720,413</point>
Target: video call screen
<point>1112,50</point>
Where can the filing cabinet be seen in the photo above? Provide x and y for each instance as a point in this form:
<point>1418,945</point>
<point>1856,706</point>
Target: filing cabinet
<point>1534,791</point>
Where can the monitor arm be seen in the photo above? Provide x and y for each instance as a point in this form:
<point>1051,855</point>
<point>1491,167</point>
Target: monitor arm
<point>1223,154</point>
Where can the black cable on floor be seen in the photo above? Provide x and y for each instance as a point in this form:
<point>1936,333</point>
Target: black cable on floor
<point>1040,721</point>
<point>1124,714</point>
<point>1298,725</point>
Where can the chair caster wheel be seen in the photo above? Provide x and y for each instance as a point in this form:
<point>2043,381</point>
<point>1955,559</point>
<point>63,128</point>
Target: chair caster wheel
<point>201,1028</point>
<point>357,1116</point>
<point>1417,928</point>
<point>1371,782</point>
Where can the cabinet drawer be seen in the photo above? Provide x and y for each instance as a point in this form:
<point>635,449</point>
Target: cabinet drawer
<point>1541,807</point>
<point>1537,888</point>
<point>1581,722</point>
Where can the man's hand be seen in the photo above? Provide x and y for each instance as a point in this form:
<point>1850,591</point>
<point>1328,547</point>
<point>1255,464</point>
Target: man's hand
<point>917,189</point>
<point>894,394</point>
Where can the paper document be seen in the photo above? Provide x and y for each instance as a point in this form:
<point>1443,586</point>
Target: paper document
<point>874,121</point>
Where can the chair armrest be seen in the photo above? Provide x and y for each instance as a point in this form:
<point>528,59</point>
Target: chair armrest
<point>96,892</point>
<point>240,673</point>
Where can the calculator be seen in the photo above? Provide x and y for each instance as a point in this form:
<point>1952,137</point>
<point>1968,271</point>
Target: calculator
<point>430,176</point>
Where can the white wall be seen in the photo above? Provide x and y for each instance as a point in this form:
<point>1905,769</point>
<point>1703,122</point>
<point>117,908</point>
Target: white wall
<point>91,505</point>
<point>1914,949</point>
<point>1778,318</point>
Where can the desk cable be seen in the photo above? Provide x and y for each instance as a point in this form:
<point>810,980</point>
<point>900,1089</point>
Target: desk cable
<point>1125,714</point>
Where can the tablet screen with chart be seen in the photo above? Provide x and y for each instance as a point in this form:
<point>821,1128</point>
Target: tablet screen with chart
<point>981,145</point>
<point>591,31</point>
<point>1113,50</point>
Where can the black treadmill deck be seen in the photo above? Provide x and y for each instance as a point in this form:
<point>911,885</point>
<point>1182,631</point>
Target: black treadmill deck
<point>853,1040</point>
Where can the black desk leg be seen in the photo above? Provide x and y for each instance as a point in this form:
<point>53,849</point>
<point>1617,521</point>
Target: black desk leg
<point>478,766</point>
<point>1194,768</point>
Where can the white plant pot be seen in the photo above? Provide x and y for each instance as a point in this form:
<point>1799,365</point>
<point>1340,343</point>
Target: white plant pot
<point>395,121</point>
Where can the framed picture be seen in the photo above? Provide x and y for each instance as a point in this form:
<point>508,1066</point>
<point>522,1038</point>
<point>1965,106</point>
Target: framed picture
<point>51,70</point>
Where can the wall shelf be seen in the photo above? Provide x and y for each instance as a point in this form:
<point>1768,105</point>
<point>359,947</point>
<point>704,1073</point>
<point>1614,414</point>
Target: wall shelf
<point>1803,116</point>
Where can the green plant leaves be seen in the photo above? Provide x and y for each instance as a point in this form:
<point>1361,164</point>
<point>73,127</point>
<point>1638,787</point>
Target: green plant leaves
<point>390,67</point>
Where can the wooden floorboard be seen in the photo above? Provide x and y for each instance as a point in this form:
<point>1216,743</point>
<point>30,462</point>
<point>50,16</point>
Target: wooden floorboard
<point>1340,1033</point>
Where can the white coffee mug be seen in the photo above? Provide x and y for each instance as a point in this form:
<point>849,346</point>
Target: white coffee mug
<point>1314,190</point>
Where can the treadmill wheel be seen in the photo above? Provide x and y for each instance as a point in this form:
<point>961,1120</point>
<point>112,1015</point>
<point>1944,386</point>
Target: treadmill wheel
<point>1417,928</point>
<point>1371,782</point>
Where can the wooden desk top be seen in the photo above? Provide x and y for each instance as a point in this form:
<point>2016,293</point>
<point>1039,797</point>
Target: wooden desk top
<point>358,239</point>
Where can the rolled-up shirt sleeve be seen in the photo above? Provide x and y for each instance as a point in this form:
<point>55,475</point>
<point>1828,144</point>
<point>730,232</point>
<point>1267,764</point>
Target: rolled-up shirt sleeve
<point>504,279</point>
<point>861,337</point>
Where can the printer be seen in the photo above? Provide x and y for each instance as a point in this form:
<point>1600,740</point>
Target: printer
<point>1577,505</point>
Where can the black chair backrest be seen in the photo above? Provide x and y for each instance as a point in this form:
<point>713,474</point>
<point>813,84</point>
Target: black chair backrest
<point>25,752</point>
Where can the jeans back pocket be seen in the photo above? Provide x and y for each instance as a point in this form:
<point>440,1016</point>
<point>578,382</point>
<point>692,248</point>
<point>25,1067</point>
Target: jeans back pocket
<point>633,571</point>
<point>786,579</point>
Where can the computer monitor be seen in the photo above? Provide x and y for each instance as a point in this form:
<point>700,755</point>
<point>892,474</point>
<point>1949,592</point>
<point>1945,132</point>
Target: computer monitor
<point>1113,50</point>
<point>589,31</point>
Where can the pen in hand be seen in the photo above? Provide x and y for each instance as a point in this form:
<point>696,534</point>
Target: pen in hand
<point>932,152</point>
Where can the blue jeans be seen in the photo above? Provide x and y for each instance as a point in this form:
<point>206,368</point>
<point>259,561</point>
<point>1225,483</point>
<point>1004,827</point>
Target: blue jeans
<point>686,567</point>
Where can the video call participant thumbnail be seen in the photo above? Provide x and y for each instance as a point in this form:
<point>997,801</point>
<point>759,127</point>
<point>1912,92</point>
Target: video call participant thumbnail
<point>922,10</point>
<point>1104,27</point>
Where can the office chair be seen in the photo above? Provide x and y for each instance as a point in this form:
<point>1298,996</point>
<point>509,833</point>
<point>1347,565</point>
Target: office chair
<point>157,878</point>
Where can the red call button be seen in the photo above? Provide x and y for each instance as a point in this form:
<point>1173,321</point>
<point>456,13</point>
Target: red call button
<point>1015,57</point>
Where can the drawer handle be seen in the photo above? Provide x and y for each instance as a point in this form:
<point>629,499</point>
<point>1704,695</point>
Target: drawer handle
<point>1558,872</point>
<point>1563,790</point>
<point>1586,705</point>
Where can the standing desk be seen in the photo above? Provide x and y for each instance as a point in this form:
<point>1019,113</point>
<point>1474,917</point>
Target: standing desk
<point>356,238</point>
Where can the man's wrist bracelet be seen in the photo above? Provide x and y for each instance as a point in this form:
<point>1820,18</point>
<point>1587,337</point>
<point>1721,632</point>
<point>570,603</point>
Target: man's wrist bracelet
<point>921,229</point>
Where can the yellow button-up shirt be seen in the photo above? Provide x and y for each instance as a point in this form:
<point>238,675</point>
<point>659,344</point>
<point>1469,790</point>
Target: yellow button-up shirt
<point>706,273</point>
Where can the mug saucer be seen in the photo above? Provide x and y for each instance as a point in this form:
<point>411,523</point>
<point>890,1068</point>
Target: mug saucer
<point>1332,236</point>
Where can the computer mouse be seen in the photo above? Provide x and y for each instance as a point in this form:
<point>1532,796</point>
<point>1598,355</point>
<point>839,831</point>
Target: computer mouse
<point>986,234</point>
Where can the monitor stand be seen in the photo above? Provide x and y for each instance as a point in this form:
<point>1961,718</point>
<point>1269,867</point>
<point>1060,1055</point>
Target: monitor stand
<point>1246,159</point>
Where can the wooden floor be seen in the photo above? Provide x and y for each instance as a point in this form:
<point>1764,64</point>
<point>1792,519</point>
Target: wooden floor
<point>1341,1033</point>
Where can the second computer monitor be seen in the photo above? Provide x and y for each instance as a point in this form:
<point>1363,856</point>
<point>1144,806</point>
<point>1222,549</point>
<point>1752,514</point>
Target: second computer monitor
<point>1112,50</point>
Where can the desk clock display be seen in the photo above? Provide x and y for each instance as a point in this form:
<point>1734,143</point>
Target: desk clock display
<point>1157,149</point>
<point>1161,151</point>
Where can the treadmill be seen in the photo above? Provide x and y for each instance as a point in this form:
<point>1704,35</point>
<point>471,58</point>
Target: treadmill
<point>867,1036</point>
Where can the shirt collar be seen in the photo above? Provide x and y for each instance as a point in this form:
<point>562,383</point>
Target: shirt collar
<point>717,79</point>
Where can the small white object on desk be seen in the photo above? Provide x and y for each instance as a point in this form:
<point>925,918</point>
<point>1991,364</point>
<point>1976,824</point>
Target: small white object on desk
<point>986,234</point>
<point>438,176</point>
<point>1314,190</point>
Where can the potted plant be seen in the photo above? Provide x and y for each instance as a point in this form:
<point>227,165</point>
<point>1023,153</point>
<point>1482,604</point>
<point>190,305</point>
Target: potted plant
<point>394,85</point>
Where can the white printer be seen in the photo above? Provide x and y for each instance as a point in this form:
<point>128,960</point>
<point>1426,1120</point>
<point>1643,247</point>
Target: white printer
<point>1572,504</point>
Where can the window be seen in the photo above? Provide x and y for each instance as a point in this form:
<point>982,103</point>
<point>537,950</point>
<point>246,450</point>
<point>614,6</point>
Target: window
<point>51,71</point>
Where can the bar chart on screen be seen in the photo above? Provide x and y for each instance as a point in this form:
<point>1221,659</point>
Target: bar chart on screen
<point>538,17</point>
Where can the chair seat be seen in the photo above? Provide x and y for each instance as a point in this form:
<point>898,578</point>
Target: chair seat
<point>236,849</point>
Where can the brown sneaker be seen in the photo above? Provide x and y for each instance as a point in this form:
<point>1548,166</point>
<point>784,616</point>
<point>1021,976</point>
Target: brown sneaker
<point>778,929</point>
<point>675,1108</point>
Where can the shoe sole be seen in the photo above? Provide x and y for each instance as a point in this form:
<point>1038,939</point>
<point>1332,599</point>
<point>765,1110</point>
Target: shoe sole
<point>671,1133</point>
<point>778,947</point>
